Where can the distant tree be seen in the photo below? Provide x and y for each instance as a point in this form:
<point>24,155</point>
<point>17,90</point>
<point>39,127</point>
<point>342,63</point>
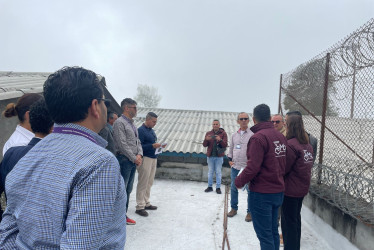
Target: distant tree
<point>147,96</point>
<point>307,85</point>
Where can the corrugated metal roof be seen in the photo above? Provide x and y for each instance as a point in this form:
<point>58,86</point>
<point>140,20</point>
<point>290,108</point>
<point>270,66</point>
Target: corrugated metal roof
<point>184,130</point>
<point>15,84</point>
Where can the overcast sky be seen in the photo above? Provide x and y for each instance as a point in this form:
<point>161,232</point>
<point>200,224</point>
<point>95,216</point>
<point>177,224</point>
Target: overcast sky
<point>223,55</point>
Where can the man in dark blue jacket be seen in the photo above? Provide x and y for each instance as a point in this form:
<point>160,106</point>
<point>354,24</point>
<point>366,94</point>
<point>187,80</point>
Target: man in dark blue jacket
<point>41,125</point>
<point>147,171</point>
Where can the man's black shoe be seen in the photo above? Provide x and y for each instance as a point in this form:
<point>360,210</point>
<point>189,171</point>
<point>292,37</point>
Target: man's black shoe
<point>209,189</point>
<point>218,190</point>
<point>151,207</point>
<point>142,212</point>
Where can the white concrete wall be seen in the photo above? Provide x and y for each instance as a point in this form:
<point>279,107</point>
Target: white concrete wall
<point>188,171</point>
<point>360,234</point>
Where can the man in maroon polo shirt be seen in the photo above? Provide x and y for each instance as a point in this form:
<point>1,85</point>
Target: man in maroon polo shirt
<point>265,169</point>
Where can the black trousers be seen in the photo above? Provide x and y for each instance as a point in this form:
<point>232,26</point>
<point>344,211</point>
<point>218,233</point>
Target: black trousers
<point>291,222</point>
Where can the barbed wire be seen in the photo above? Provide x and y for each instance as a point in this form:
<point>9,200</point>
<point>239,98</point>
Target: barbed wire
<point>344,176</point>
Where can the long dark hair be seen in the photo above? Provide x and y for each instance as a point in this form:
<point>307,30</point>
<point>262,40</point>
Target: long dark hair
<point>295,129</point>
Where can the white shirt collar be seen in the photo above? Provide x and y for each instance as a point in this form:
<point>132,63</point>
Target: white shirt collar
<point>25,132</point>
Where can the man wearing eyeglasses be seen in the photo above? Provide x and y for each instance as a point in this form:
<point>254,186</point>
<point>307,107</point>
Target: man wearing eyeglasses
<point>67,191</point>
<point>128,146</point>
<point>278,123</point>
<point>238,160</point>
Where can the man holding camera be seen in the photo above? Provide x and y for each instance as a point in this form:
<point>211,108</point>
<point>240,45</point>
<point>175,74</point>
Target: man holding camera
<point>216,141</point>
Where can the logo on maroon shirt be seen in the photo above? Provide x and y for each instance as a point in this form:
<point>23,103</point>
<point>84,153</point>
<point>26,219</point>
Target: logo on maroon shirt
<point>308,156</point>
<point>279,148</point>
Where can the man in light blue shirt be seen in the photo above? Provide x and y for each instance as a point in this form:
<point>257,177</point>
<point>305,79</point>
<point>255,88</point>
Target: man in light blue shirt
<point>67,191</point>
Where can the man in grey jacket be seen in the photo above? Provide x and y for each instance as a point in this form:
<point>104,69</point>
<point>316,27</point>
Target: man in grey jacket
<point>107,132</point>
<point>129,149</point>
<point>238,159</point>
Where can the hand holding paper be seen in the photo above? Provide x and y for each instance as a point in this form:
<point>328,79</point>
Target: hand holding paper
<point>160,149</point>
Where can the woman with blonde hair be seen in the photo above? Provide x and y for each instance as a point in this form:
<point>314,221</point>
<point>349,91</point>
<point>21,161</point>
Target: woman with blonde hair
<point>296,180</point>
<point>23,134</point>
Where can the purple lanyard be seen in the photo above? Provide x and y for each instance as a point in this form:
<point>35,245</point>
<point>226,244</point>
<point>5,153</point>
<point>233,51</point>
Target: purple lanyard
<point>73,131</point>
<point>132,125</point>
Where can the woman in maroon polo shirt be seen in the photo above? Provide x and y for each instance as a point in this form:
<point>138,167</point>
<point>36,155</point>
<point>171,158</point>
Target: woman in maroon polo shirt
<point>297,180</point>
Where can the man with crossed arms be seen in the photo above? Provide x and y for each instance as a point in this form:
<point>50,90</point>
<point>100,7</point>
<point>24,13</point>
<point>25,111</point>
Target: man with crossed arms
<point>127,143</point>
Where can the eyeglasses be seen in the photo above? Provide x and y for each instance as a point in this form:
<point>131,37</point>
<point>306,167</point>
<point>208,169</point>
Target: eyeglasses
<point>243,119</point>
<point>133,107</point>
<point>106,101</point>
<point>277,122</point>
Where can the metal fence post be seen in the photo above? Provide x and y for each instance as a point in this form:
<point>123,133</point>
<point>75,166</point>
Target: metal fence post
<point>372,159</point>
<point>324,110</point>
<point>280,94</point>
<point>353,89</point>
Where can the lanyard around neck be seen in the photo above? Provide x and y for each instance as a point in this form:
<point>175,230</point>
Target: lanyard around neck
<point>73,131</point>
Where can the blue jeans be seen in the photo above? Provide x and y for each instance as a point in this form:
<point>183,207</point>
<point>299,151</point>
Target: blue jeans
<point>215,165</point>
<point>264,211</point>
<point>234,191</point>
<point>128,169</point>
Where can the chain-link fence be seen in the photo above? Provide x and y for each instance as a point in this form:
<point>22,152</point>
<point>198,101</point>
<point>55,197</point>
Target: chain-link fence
<point>335,93</point>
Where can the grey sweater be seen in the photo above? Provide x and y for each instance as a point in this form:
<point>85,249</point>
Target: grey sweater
<point>126,141</point>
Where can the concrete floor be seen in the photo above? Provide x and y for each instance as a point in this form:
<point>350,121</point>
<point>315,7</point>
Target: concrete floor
<point>189,218</point>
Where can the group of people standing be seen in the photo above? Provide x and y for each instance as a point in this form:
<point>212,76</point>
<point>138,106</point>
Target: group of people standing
<point>64,190</point>
<point>135,150</point>
<point>273,161</point>
<point>67,191</point>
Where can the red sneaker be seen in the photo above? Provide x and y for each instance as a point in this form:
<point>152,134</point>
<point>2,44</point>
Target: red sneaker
<point>130,221</point>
